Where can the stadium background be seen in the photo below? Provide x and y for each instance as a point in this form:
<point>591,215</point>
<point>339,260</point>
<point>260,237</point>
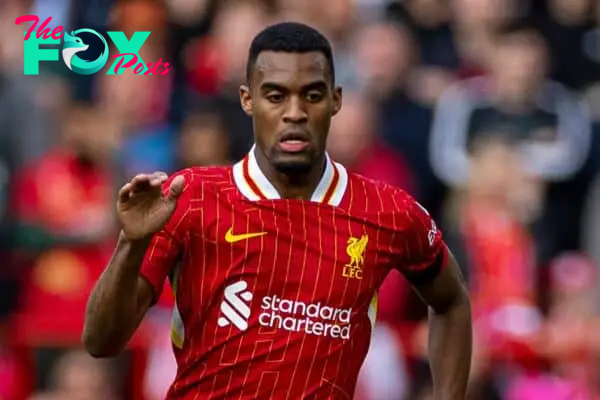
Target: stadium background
<point>437,100</point>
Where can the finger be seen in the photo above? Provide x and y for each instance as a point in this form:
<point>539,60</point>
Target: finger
<point>158,178</point>
<point>176,187</point>
<point>140,182</point>
<point>125,192</point>
<point>161,175</point>
<point>139,178</point>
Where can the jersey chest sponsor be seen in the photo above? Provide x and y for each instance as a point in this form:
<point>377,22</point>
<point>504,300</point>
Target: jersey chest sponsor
<point>315,318</point>
<point>310,318</point>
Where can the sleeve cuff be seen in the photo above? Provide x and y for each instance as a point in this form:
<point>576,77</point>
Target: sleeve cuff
<point>427,275</point>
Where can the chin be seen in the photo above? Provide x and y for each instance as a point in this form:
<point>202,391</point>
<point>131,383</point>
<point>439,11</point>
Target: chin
<point>294,165</point>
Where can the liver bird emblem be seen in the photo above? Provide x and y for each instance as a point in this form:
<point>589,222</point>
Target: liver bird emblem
<point>356,249</point>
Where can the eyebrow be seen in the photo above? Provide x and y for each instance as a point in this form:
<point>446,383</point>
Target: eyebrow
<point>266,86</point>
<point>320,84</point>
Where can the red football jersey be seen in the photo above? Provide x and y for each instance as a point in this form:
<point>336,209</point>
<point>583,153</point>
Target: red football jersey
<point>276,298</point>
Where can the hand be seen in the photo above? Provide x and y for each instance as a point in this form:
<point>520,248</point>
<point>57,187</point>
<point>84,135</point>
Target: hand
<point>142,207</point>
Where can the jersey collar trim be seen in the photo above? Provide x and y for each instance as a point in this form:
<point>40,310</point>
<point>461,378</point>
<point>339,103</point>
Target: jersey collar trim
<point>254,185</point>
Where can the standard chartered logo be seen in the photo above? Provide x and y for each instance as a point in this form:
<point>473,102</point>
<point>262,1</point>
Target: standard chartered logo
<point>312,319</point>
<point>235,307</point>
<point>293,316</point>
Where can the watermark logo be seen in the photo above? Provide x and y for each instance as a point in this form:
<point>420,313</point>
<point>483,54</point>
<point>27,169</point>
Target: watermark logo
<point>73,45</point>
<point>127,57</point>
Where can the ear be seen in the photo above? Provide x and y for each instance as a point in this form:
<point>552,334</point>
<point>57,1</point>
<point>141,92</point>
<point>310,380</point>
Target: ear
<point>337,100</point>
<point>246,99</point>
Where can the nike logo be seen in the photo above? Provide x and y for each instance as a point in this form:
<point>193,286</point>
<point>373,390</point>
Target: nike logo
<point>231,238</point>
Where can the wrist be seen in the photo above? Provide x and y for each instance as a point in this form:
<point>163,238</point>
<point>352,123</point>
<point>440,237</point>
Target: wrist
<point>134,244</point>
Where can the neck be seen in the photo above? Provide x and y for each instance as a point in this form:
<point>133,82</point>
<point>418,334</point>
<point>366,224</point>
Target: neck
<point>514,103</point>
<point>299,186</point>
<point>516,106</point>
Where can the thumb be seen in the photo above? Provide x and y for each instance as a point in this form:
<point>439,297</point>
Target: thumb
<point>176,188</point>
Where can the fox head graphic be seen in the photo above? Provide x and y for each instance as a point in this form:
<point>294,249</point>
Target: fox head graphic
<point>71,46</point>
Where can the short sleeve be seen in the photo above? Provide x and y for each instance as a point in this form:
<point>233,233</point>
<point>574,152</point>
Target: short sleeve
<point>167,246</point>
<point>424,249</point>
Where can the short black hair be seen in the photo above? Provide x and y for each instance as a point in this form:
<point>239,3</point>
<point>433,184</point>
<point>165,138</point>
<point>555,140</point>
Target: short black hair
<point>289,37</point>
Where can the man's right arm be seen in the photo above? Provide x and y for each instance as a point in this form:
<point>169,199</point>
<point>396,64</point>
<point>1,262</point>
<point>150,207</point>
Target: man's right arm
<point>135,276</point>
<point>119,301</point>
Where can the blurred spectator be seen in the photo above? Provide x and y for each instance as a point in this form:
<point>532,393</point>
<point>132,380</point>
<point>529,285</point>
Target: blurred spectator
<point>220,60</point>
<point>75,172</point>
<point>77,376</point>
<point>141,103</point>
<point>387,57</point>
<point>11,48</point>
<point>66,246</point>
<point>188,21</point>
<point>475,24</point>
<point>568,339</point>
<point>32,105</point>
<point>353,140</point>
<point>549,123</point>
<point>430,22</point>
<point>492,212</point>
<point>515,97</point>
<point>203,141</point>
<point>500,201</point>
<point>591,50</point>
<point>187,12</point>
<point>234,43</point>
<point>337,20</point>
<point>387,53</point>
<point>569,28</point>
<point>27,103</point>
<point>591,224</point>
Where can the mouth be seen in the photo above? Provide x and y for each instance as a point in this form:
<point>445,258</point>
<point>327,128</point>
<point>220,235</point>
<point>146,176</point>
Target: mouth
<point>294,142</point>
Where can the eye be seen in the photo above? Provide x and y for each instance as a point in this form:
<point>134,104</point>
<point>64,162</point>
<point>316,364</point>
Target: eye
<point>275,97</point>
<point>314,96</point>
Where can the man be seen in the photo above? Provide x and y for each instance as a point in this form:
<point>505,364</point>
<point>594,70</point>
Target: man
<point>550,126</point>
<point>276,261</point>
<point>516,100</point>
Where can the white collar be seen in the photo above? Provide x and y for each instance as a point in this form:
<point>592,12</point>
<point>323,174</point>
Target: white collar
<point>254,185</point>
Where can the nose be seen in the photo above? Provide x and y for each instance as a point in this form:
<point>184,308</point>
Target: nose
<point>295,112</point>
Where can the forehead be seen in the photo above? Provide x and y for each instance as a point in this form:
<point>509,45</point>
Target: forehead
<point>290,69</point>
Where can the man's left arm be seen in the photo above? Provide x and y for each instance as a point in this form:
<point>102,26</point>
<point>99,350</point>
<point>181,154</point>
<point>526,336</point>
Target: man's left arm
<point>433,271</point>
<point>450,330</point>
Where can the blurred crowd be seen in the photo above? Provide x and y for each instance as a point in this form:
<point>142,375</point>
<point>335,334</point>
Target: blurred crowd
<point>487,111</point>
